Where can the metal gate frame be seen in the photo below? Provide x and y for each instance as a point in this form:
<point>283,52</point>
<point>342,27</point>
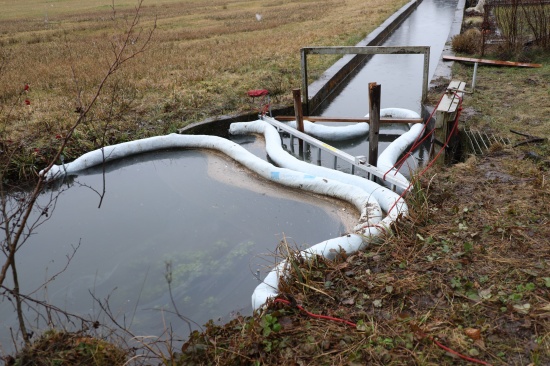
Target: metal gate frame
<point>363,50</point>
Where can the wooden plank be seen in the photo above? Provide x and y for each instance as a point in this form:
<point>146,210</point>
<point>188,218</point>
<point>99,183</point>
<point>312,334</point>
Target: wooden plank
<point>449,104</point>
<point>352,120</point>
<point>490,62</point>
<point>450,101</point>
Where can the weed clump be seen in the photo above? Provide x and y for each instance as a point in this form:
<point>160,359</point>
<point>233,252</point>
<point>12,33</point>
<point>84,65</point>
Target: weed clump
<point>468,42</point>
<point>69,348</point>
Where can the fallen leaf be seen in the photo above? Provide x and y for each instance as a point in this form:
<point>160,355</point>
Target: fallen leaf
<point>480,343</point>
<point>286,322</point>
<point>342,265</point>
<point>523,308</point>
<point>473,352</point>
<point>530,272</point>
<point>473,333</point>
<point>361,326</point>
<point>485,294</point>
<point>348,301</point>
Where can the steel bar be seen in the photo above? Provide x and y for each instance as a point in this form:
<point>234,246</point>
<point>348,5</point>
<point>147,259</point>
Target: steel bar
<point>356,161</point>
<point>350,120</point>
<point>471,135</point>
<point>467,133</point>
<point>483,141</point>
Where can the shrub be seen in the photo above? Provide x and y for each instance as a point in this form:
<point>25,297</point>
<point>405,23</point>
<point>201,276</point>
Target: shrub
<point>522,22</point>
<point>468,42</point>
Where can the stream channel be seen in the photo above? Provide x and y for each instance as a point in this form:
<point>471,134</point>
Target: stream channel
<point>201,214</point>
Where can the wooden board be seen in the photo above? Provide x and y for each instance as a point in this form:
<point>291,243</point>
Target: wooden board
<point>450,101</point>
<point>490,62</point>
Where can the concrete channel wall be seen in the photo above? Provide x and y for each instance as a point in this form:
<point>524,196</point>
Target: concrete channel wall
<point>443,69</point>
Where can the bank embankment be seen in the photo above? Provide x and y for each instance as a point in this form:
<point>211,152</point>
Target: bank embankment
<point>466,273</point>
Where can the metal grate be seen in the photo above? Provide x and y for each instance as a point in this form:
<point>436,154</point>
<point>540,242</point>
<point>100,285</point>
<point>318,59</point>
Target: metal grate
<point>478,142</point>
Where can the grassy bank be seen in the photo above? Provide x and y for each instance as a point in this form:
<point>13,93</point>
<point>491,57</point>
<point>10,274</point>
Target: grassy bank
<point>203,58</point>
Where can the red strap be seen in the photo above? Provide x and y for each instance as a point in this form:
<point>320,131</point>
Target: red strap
<point>257,93</point>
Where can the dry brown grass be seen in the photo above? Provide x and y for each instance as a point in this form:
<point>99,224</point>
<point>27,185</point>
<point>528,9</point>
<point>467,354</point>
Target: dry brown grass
<point>205,56</point>
<point>70,349</point>
<point>468,268</point>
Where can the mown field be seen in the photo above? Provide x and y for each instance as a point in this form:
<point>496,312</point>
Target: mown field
<point>202,59</point>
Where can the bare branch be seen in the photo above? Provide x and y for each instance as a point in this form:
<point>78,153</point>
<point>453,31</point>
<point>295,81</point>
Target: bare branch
<point>21,213</point>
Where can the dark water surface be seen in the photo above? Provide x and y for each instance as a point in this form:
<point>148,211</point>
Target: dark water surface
<point>160,208</point>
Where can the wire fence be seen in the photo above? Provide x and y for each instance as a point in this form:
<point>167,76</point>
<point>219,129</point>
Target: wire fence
<point>517,2</point>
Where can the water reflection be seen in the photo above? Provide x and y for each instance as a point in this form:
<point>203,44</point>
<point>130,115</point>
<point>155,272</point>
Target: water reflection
<point>164,208</point>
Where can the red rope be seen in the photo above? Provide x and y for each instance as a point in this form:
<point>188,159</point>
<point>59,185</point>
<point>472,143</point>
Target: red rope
<point>418,143</point>
<point>338,320</point>
<point>317,316</point>
<point>265,109</point>
<point>453,130</point>
<point>415,144</point>
<point>466,358</point>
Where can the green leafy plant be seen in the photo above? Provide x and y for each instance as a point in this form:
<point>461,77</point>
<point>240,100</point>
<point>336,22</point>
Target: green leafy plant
<point>270,324</point>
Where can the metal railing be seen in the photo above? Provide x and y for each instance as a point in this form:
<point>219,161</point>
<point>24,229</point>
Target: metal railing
<point>357,162</point>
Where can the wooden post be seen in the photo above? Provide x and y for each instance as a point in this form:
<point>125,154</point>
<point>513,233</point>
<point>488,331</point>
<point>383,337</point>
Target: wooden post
<point>298,114</point>
<point>374,114</point>
<point>305,82</point>
<point>298,109</point>
<point>445,116</point>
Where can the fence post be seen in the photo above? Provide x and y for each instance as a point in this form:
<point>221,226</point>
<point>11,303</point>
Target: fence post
<point>299,115</point>
<point>445,117</point>
<point>374,116</point>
